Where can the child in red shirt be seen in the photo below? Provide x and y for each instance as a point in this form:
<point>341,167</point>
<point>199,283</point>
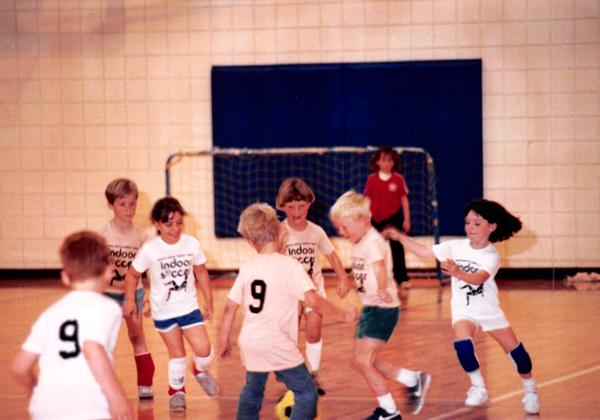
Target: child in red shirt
<point>389,203</point>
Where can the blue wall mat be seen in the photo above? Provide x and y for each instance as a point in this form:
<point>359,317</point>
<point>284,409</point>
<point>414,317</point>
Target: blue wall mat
<point>436,105</point>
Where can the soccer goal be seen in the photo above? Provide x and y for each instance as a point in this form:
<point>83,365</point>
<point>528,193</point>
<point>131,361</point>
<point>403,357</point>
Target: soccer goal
<point>235,178</point>
<point>244,176</point>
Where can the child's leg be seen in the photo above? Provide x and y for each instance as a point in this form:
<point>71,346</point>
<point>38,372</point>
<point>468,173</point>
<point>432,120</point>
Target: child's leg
<point>198,339</point>
<point>464,331</point>
<point>406,377</point>
<point>314,344</point>
<point>143,359</point>
<point>366,353</point>
<point>173,339</point>
<point>298,380</point>
<point>251,396</point>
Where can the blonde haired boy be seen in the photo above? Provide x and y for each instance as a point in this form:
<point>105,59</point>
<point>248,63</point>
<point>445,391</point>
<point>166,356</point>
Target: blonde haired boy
<point>268,288</point>
<point>376,288</point>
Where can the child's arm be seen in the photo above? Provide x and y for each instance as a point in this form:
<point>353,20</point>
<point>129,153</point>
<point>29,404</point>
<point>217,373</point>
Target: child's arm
<point>381,276</point>
<point>131,281</point>
<point>419,248</point>
<point>406,211</point>
<point>343,282</point>
<point>22,370</point>
<point>451,268</point>
<point>102,369</point>
<point>324,307</point>
<point>226,325</point>
<point>203,281</point>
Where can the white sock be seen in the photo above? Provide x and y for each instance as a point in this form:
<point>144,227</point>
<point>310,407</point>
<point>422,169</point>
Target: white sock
<point>529,384</point>
<point>477,378</point>
<point>176,372</point>
<point>202,363</point>
<point>387,403</point>
<point>313,354</point>
<point>407,377</point>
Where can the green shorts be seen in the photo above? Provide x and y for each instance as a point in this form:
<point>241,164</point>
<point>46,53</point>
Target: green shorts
<point>376,322</point>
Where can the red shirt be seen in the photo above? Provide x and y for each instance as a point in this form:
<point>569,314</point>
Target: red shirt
<point>386,196</point>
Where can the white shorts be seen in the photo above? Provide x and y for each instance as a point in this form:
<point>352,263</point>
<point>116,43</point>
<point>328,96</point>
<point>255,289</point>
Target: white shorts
<point>486,324</point>
<point>320,292</point>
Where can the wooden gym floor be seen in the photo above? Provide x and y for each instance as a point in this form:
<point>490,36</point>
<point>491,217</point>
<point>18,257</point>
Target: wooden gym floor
<point>559,327</point>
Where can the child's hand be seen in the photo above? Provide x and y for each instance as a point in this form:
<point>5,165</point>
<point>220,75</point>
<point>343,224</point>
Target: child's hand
<point>120,409</point>
<point>343,288</point>
<point>450,267</point>
<point>391,233</point>
<point>384,295</point>
<point>225,350</point>
<point>406,226</point>
<point>130,309</point>
<point>207,313</point>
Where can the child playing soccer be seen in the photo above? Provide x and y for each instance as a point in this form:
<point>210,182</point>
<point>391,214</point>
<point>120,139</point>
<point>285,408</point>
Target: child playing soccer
<point>176,262</point>
<point>389,203</point>
<point>269,288</point>
<point>305,241</point>
<point>124,240</point>
<point>372,271</point>
<point>73,340</point>
<point>473,263</point>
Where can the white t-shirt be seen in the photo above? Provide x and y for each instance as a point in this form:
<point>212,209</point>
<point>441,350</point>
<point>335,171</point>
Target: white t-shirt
<point>123,247</point>
<point>305,246</point>
<point>478,301</point>
<point>269,288</point>
<point>371,248</point>
<point>66,388</point>
<point>172,280</point>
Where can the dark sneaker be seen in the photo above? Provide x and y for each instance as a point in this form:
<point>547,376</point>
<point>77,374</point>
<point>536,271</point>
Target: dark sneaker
<point>417,393</point>
<point>318,384</point>
<point>381,414</point>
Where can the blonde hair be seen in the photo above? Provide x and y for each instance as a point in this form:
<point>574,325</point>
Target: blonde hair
<point>119,188</point>
<point>259,224</point>
<point>294,189</point>
<point>351,204</point>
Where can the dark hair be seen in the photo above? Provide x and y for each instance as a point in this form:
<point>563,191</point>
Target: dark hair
<point>506,224</point>
<point>84,254</point>
<point>163,208</point>
<point>385,150</point>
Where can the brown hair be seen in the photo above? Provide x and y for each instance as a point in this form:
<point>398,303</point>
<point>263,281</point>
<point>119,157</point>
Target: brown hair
<point>294,189</point>
<point>84,255</point>
<point>385,150</point>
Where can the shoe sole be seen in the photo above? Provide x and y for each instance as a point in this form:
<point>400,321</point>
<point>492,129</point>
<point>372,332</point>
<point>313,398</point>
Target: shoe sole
<point>419,407</point>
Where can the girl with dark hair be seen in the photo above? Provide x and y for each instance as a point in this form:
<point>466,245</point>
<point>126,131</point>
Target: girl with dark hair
<point>473,263</point>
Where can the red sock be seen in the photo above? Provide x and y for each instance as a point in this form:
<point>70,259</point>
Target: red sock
<point>145,369</point>
<point>172,391</point>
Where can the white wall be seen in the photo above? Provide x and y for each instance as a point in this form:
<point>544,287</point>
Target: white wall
<point>98,89</point>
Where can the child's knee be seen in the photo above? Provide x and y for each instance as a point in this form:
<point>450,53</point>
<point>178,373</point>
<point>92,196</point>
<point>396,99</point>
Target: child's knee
<point>521,359</point>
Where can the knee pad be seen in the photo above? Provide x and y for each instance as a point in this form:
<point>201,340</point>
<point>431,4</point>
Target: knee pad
<point>176,370</point>
<point>465,351</point>
<point>521,359</point>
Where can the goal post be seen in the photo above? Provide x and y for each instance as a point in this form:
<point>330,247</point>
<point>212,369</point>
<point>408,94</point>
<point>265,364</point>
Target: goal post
<point>241,177</point>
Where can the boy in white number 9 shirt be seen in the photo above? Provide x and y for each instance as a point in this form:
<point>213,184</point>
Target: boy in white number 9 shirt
<point>73,341</point>
<point>269,288</point>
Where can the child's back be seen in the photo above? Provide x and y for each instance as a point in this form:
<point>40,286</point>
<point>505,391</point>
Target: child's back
<point>66,384</point>
<point>269,288</point>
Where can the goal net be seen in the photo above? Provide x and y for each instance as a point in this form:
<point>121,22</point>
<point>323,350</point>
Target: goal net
<point>241,177</point>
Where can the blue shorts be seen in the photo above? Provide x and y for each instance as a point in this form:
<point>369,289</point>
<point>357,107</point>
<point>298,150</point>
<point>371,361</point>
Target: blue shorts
<point>120,298</point>
<point>185,321</point>
<point>376,322</point>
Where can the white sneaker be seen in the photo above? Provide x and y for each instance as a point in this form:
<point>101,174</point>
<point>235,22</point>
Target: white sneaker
<point>177,401</point>
<point>476,396</point>
<point>208,382</point>
<point>531,403</point>
<point>145,392</point>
